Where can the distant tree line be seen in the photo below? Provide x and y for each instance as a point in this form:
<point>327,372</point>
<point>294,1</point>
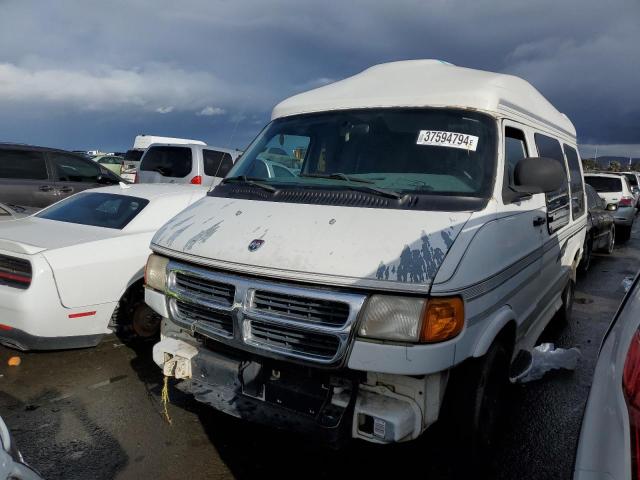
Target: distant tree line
<point>612,166</point>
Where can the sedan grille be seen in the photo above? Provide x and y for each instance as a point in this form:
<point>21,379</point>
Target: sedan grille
<point>207,289</point>
<point>299,342</point>
<point>15,272</point>
<point>312,310</point>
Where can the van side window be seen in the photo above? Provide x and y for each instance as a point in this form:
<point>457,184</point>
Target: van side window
<point>23,165</point>
<point>216,164</point>
<point>575,181</point>
<point>515,149</point>
<point>558,204</point>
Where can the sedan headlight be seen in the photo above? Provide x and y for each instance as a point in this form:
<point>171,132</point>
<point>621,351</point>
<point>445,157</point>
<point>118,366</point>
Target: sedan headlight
<point>409,319</point>
<point>155,273</point>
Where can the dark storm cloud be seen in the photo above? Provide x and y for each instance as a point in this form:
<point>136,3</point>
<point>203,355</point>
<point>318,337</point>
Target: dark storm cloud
<point>77,73</point>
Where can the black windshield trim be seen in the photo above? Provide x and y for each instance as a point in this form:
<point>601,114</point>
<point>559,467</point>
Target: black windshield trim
<point>346,197</point>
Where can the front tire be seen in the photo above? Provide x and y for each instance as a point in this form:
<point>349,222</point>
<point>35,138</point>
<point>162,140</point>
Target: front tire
<point>567,301</point>
<point>475,394</point>
<point>611,240</point>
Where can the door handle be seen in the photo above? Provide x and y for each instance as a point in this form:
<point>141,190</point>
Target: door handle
<point>45,188</point>
<point>539,221</point>
<point>66,190</point>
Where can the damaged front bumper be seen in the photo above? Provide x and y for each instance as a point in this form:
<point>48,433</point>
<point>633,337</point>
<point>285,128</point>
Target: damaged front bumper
<point>332,405</point>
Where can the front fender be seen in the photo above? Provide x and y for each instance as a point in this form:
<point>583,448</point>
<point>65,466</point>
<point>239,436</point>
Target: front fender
<point>494,326</point>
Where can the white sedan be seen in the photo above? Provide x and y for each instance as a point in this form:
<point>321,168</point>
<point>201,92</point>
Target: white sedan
<point>74,271</point>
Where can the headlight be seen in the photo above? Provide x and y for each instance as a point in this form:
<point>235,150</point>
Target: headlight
<point>409,319</point>
<point>155,273</point>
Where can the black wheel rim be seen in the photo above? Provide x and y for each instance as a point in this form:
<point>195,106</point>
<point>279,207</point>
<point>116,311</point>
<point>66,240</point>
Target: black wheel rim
<point>145,321</point>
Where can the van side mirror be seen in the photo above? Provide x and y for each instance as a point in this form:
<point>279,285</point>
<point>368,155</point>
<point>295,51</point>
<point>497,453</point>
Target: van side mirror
<point>538,175</point>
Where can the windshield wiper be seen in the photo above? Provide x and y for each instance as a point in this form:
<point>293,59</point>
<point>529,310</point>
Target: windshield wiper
<point>361,188</point>
<point>254,182</point>
<point>336,176</point>
<point>383,192</point>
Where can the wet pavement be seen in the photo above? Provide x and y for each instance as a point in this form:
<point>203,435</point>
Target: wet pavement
<point>97,414</point>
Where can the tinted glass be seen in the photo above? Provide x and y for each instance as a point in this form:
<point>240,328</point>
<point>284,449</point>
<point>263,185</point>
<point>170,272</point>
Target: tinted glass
<point>216,164</point>
<point>282,171</point>
<point>167,161</point>
<point>575,181</point>
<point>422,151</point>
<point>70,168</point>
<point>23,165</point>
<point>133,155</point>
<point>633,180</point>
<point>604,184</point>
<point>558,204</point>
<point>107,210</point>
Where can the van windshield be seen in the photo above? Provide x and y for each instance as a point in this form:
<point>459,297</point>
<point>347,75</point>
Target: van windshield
<point>427,151</point>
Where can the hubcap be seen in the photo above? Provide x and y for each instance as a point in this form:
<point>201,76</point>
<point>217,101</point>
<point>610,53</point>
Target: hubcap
<point>145,322</point>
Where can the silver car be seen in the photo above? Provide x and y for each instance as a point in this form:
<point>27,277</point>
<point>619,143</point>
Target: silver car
<point>609,444</point>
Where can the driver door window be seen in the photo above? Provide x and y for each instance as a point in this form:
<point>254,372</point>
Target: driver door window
<point>515,149</point>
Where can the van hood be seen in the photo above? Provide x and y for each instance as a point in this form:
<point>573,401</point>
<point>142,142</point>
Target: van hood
<point>365,247</point>
<point>33,235</point>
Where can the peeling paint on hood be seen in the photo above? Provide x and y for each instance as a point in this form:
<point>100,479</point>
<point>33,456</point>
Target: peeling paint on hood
<point>355,246</point>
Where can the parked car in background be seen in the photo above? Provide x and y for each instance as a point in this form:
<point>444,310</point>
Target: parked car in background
<point>188,163</point>
<point>110,162</point>
<point>140,144</point>
<point>433,231</point>
<point>38,176</point>
<point>601,229</point>
<point>270,169</point>
<point>634,183</point>
<point>609,443</point>
<point>12,464</point>
<point>73,272</point>
<point>615,189</point>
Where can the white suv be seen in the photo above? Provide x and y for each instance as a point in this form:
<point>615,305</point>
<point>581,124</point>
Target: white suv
<point>615,189</point>
<point>188,163</point>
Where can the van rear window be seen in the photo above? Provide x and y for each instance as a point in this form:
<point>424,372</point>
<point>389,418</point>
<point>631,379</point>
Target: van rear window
<point>167,161</point>
<point>604,184</point>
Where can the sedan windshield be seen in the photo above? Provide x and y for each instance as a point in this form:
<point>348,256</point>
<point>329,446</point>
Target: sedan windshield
<point>106,210</point>
<point>385,152</point>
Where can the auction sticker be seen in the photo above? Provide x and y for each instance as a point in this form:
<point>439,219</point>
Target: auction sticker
<point>438,138</point>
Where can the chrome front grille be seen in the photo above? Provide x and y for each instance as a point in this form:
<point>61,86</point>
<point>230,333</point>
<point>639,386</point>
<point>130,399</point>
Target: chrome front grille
<point>287,340</point>
<point>218,292</point>
<point>273,319</point>
<point>221,322</point>
<point>305,309</point>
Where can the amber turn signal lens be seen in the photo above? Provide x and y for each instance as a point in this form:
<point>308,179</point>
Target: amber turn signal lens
<point>443,318</point>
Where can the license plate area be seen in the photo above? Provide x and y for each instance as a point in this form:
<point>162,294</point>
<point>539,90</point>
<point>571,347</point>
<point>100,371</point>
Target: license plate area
<point>305,394</point>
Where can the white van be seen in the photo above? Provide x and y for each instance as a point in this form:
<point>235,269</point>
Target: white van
<point>419,247</point>
<point>187,163</point>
